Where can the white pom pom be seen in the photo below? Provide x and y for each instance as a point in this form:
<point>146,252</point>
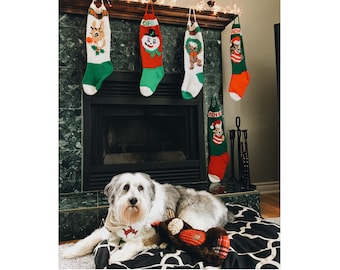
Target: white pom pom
<point>175,226</point>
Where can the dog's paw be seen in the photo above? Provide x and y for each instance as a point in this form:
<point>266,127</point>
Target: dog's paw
<point>114,258</point>
<point>70,252</point>
<point>76,250</point>
<point>122,254</point>
<point>152,241</point>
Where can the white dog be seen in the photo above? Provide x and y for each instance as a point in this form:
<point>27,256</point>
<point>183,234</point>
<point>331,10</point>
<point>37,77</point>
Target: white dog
<point>136,202</point>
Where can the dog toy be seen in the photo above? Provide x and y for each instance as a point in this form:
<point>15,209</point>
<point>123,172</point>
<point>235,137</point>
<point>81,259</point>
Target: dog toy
<point>211,246</point>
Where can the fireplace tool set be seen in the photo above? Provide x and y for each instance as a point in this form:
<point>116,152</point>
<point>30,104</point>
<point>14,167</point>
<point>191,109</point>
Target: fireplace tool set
<point>243,158</point>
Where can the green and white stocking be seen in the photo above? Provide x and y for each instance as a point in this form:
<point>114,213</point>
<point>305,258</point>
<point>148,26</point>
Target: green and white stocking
<point>193,59</point>
<point>98,42</point>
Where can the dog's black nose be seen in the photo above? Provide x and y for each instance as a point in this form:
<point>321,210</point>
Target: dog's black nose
<point>133,201</point>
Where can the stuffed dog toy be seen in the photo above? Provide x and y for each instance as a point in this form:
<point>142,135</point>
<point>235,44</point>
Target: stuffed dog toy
<point>211,246</point>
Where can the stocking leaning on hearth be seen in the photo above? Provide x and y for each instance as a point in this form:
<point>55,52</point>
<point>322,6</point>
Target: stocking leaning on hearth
<point>217,141</point>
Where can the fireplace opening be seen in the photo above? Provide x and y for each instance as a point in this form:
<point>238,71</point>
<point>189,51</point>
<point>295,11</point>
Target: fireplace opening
<point>138,134</point>
<point>161,135</point>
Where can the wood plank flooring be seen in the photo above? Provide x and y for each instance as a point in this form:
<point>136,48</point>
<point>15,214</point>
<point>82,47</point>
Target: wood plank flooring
<point>270,205</point>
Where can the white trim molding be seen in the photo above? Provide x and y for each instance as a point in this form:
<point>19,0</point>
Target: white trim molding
<point>268,187</point>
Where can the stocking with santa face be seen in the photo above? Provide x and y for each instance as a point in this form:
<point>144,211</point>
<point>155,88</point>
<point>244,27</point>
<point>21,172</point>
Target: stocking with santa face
<point>150,43</point>
<point>240,76</point>
<point>218,155</point>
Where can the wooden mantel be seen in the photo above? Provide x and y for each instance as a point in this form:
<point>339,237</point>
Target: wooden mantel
<point>165,14</point>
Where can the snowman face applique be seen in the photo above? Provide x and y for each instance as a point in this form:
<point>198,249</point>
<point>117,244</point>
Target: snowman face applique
<point>150,41</point>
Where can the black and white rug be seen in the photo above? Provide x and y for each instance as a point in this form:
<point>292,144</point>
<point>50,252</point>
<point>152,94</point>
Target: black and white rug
<point>254,244</point>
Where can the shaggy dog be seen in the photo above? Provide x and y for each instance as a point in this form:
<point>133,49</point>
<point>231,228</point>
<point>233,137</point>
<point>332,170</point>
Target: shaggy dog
<point>136,202</point>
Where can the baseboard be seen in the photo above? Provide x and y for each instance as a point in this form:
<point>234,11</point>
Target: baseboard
<point>268,187</point>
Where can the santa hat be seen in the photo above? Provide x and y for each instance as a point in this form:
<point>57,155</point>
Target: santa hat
<point>216,124</point>
<point>236,40</point>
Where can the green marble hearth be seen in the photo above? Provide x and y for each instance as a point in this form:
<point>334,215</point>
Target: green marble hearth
<point>81,213</point>
<point>248,198</point>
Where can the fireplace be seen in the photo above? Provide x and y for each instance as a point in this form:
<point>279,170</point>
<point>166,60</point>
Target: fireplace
<point>162,135</point>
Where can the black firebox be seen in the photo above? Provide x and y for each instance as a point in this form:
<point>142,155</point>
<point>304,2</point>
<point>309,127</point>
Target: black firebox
<point>161,135</point>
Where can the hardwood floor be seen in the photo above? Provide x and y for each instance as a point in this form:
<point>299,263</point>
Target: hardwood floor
<point>270,205</point>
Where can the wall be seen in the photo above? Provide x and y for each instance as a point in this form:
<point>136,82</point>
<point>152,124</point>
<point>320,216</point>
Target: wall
<point>259,108</point>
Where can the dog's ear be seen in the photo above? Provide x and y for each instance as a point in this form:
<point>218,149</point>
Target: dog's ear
<point>108,190</point>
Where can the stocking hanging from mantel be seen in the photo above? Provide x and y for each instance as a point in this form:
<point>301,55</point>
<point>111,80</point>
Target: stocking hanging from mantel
<point>98,43</point>
<point>217,141</point>
<point>240,76</point>
<point>151,52</point>
<point>193,59</point>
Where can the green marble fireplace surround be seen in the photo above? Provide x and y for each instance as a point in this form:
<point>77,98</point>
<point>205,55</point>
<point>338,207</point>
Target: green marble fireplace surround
<point>80,212</point>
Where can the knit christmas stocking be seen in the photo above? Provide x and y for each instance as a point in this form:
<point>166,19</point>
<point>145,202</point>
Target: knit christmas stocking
<point>150,41</point>
<point>219,158</point>
<point>240,76</point>
<point>193,59</point>
<point>98,36</point>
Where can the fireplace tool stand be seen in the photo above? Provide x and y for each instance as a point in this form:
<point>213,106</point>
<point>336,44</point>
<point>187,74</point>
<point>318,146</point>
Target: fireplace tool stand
<point>243,158</point>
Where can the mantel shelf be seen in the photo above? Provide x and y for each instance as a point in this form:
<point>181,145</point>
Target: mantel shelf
<point>165,14</point>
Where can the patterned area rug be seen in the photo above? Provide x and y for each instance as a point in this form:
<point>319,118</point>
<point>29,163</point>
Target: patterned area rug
<point>88,262</point>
